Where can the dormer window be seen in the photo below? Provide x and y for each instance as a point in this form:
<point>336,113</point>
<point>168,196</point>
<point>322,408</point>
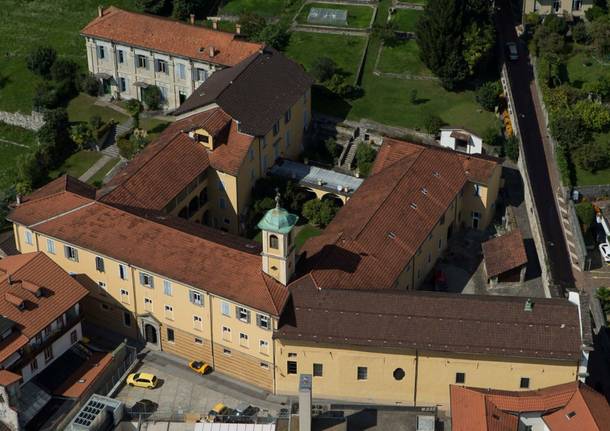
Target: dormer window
<point>202,138</point>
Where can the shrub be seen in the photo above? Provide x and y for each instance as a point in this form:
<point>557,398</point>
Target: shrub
<point>251,24</point>
<point>511,148</point>
<point>183,8</point>
<point>365,156</point>
<point>91,85</point>
<point>274,35</point>
<point>491,136</point>
<point>595,116</point>
<point>332,148</point>
<point>556,24</point>
<point>65,69</point>
<point>128,147</point>
<point>586,214</point>
<point>592,156</point>
<point>82,135</point>
<point>580,33</point>
<point>564,163</point>
<point>95,122</point>
<point>488,94</point>
<point>600,34</point>
<point>45,96</point>
<point>151,6</point>
<point>594,12</point>
<point>319,212</point>
<point>432,123</point>
<point>133,106</point>
<point>386,32</point>
<point>568,130</point>
<point>323,68</point>
<point>41,59</point>
<point>152,97</point>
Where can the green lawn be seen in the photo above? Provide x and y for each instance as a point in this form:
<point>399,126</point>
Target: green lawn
<point>26,24</point>
<point>76,164</point>
<point>346,51</point>
<point>9,151</point>
<point>228,26</point>
<point>406,19</point>
<point>99,176</point>
<point>586,178</point>
<point>305,233</point>
<point>357,16</point>
<point>402,58</point>
<point>582,67</point>
<point>267,8</point>
<point>82,108</point>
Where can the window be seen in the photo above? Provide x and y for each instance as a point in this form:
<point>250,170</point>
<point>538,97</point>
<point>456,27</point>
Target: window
<point>222,204</point>
<point>197,322</point>
<point>287,138</point>
<point>362,373</point>
<point>162,66</point>
<point>169,312</point>
<point>318,370</point>
<point>460,378</point>
<point>276,149</point>
<point>291,367</point>
<point>276,128</point>
<point>264,365</point>
<point>442,220</point>
<point>440,243</point>
<point>120,56</point>
<point>48,353</point>
<point>181,71</point>
<point>124,296</point>
<point>225,309</point>
<point>122,271</point>
<point>398,374</point>
<point>251,153</point>
<point>101,52</point>
<point>142,62</point>
<point>195,297</point>
<point>105,307</point>
<point>287,116</point>
<point>200,74</point>
<point>273,242</point>
<point>122,84</point>
<point>148,304</point>
<point>198,340</point>
<point>524,383</point>
<point>170,335</point>
<point>102,285</point>
<point>263,142</point>
<point>73,337</point>
<point>28,237</point>
<point>51,246</point>
<point>226,333</point>
<point>263,346</point>
<point>226,352</point>
<point>262,321</point>
<point>99,264</point>
<point>164,93</point>
<point>146,280</point>
<point>34,365</point>
<point>477,190</point>
<point>429,257</point>
<point>243,339</point>
<point>243,314</point>
<point>71,253</point>
<point>167,288</point>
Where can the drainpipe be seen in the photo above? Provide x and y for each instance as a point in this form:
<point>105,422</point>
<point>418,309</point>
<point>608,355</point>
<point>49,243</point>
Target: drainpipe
<point>416,375</point>
<point>212,333</point>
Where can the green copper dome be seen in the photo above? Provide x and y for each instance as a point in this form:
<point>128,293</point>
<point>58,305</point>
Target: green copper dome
<point>278,219</point>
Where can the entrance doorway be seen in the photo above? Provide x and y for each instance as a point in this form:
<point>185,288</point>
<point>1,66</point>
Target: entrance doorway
<point>150,333</point>
<point>106,86</point>
<point>181,97</point>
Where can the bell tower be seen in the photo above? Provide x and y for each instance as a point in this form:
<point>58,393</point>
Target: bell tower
<point>278,242</point>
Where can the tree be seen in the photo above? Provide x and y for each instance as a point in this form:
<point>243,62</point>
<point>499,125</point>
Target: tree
<point>184,8</point>
<point>40,60</point>
<point>491,136</point>
<point>600,87</point>
<point>129,147</point>
<point>580,34</point>
<point>365,156</point>
<point>432,123</point>
<point>319,212</point>
<point>134,107</point>
<point>152,97</point>
<point>555,24</point>
<point>595,116</point>
<point>586,214</point>
<point>95,122</point>
<point>55,134</point>
<point>151,6</point>
<point>478,41</point>
<point>600,33</point>
<point>251,24</point>
<point>91,85</point>
<point>593,156</point>
<point>45,96</point>
<point>386,32</point>
<point>274,35</point>
<point>511,148</point>
<point>413,97</point>
<point>64,69</point>
<point>568,130</point>
<point>488,95</point>
<point>603,294</point>
<point>332,148</point>
<point>594,12</point>
<point>548,42</point>
<point>323,68</point>
<point>82,135</point>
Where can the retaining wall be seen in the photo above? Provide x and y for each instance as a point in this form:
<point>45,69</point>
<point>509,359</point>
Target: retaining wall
<point>34,121</point>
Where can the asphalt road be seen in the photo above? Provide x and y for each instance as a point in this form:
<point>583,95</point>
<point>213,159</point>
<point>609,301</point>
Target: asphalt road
<point>521,78</point>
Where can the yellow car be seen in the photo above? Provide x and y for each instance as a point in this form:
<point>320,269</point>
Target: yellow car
<point>142,380</point>
<point>216,413</point>
<point>200,367</point>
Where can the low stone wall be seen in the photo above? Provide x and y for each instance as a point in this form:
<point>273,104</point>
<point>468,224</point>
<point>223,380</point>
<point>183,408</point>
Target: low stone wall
<point>596,192</point>
<point>34,121</point>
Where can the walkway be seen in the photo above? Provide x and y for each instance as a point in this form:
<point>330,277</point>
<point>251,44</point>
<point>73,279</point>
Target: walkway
<point>6,141</point>
<point>95,168</point>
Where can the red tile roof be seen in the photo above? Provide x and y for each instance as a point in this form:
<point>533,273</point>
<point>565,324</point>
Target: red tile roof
<point>169,36</point>
<point>379,230</point>
<point>7,377</point>
<point>157,174</point>
<point>82,379</point>
<point>13,343</point>
<point>503,253</point>
<point>474,409</point>
<point>198,256</point>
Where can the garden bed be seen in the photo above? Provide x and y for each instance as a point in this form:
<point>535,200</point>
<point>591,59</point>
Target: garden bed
<point>357,16</point>
<point>406,19</point>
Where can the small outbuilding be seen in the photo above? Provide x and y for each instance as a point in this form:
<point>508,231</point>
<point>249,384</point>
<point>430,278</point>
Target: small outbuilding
<point>505,259</point>
<point>461,140</point>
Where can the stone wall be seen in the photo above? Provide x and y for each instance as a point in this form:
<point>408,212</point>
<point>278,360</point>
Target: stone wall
<point>593,193</point>
<point>34,121</point>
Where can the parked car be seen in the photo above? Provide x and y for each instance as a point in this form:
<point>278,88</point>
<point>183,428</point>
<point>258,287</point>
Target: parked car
<point>142,380</point>
<point>513,52</point>
<point>245,413</point>
<point>216,413</point>
<point>604,250</point>
<point>200,367</point>
<point>143,408</point>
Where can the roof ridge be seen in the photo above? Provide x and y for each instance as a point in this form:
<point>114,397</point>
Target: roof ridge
<point>91,202</point>
<point>240,72</point>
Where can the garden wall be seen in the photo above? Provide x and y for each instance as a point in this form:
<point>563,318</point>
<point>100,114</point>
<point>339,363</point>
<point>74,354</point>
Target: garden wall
<point>31,122</point>
<point>593,193</point>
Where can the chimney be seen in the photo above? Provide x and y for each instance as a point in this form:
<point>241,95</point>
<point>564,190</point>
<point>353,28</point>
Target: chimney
<point>305,402</point>
<point>18,198</point>
<point>192,19</point>
<point>100,11</point>
<point>237,28</point>
<point>212,51</point>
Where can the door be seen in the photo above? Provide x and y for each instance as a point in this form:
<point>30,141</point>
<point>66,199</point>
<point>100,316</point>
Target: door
<point>150,333</point>
<point>181,97</point>
<point>476,219</point>
<point>106,86</point>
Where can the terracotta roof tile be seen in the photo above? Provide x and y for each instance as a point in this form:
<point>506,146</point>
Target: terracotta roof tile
<point>196,255</point>
<point>158,174</point>
<point>381,227</point>
<point>468,324</point>
<point>504,252</point>
<point>86,375</point>
<point>13,343</point>
<point>7,377</point>
<point>169,36</point>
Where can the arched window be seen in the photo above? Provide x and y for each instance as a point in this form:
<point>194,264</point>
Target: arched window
<point>273,241</point>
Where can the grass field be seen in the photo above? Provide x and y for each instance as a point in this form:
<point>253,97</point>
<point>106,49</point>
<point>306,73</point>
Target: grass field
<point>9,151</point>
<point>266,8</point>
<point>402,58</point>
<point>76,164</point>
<point>99,176</point>
<point>582,67</point>
<point>406,19</point>
<point>586,178</point>
<point>82,108</point>
<point>357,16</point>
<point>305,233</point>
<point>304,48</point>
<point>27,24</point>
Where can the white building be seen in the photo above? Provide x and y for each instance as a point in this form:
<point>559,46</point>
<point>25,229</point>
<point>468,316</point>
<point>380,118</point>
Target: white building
<point>128,52</point>
<point>461,140</point>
